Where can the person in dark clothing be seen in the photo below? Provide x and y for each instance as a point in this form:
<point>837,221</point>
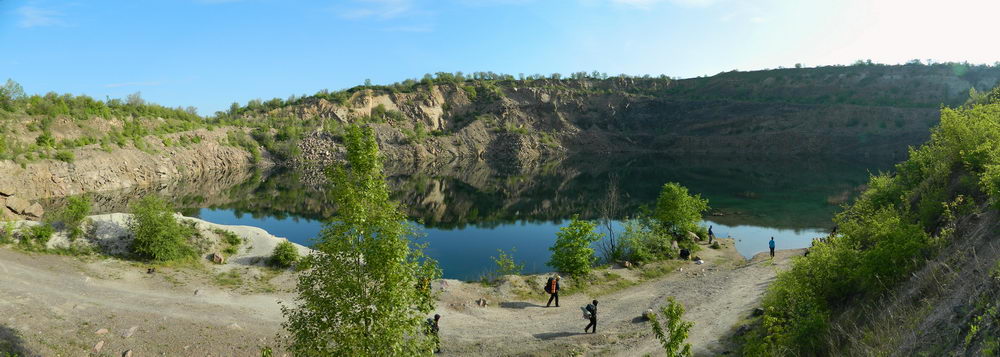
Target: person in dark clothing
<point>592,309</point>
<point>552,287</point>
<point>711,235</point>
<point>685,254</point>
<point>432,330</point>
<point>771,245</point>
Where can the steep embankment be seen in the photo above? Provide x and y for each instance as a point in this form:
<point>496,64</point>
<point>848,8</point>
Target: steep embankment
<point>914,268</point>
<point>871,111</point>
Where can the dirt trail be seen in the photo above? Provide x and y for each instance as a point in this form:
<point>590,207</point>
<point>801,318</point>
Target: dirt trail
<point>715,300</point>
<point>59,306</point>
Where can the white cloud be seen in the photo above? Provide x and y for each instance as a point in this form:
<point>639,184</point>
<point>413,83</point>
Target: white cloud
<point>34,16</point>
<point>425,28</point>
<point>381,9</point>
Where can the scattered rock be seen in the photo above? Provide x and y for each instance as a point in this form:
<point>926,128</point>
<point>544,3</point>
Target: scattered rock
<point>218,258</point>
<point>648,315</point>
<point>482,302</point>
<point>128,333</point>
<point>234,326</point>
<point>35,211</point>
<point>198,292</point>
<point>692,236</point>
<point>98,347</point>
<point>742,330</point>
<point>17,204</point>
<point>150,270</point>
<point>127,353</point>
<point>757,312</point>
<point>102,331</point>
<point>627,264</point>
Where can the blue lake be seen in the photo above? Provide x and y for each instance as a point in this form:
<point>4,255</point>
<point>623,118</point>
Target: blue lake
<point>468,210</point>
<point>465,253</point>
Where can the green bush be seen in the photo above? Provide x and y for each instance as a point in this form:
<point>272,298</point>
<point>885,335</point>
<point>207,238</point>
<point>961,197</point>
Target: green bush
<point>642,242</point>
<point>572,252</point>
<point>7,232</point>
<point>285,255</point>
<point>65,156</point>
<point>677,212</point>
<point>231,241</point>
<point>72,215</point>
<point>37,237</point>
<point>158,236</point>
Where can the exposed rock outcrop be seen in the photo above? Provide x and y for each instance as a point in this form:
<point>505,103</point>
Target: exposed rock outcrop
<point>97,170</point>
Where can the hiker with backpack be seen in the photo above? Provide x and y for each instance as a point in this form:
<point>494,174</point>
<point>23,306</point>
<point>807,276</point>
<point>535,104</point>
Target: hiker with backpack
<point>590,313</point>
<point>552,287</point>
<point>432,330</point>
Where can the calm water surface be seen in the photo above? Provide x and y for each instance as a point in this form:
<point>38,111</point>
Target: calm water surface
<point>468,212</point>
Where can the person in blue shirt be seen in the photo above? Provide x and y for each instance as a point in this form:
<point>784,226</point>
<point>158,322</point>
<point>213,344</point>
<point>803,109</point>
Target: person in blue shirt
<point>771,245</point>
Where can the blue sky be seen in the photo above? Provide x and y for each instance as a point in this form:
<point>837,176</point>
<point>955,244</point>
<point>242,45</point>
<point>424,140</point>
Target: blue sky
<point>209,53</point>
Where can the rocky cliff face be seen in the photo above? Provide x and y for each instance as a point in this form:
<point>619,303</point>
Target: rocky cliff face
<point>868,111</point>
<point>515,127</point>
<point>97,170</point>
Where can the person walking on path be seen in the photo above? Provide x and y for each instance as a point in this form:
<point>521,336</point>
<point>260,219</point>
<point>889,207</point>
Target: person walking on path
<point>592,309</point>
<point>771,245</point>
<point>432,330</point>
<point>711,235</point>
<point>552,287</point>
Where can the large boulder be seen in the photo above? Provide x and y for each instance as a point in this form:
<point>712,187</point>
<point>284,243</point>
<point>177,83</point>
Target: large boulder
<point>693,236</point>
<point>7,215</point>
<point>35,211</point>
<point>17,204</point>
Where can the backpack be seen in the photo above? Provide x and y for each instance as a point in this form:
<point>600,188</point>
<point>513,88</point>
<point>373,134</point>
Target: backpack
<point>548,286</point>
<point>586,312</point>
<point>431,326</point>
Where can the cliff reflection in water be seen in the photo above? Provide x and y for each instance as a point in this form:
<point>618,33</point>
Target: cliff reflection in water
<point>786,194</point>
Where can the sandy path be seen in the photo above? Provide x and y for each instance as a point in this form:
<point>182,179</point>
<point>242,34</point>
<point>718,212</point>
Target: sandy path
<point>58,305</point>
<point>715,299</point>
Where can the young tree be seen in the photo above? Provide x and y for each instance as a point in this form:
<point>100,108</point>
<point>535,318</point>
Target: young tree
<point>611,248</point>
<point>135,99</point>
<point>10,93</point>
<point>678,212</point>
<point>674,332</point>
<point>571,253</point>
<point>158,234</point>
<point>367,289</point>
<point>506,265</point>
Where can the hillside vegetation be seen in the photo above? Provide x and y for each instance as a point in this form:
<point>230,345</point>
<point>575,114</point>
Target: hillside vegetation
<point>914,268</point>
<point>512,124</point>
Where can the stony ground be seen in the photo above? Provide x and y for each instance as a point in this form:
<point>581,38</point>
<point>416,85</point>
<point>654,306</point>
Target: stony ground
<point>717,296</point>
<point>67,306</point>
